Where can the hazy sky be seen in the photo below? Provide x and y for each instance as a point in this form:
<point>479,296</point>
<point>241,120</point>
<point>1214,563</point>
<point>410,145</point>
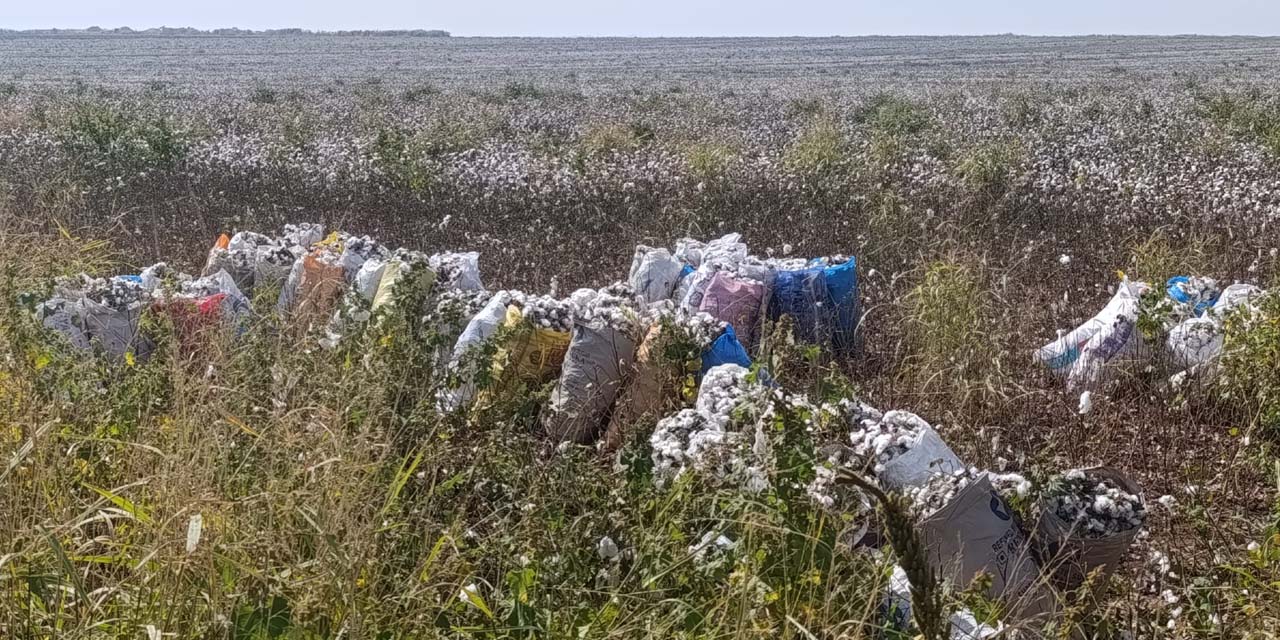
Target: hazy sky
<point>669,17</point>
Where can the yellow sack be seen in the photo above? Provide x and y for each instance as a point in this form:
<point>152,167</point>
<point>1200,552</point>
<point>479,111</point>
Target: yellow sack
<point>534,356</point>
<point>391,275</point>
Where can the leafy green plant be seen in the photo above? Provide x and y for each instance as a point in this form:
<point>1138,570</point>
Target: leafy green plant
<point>820,150</point>
<point>989,169</point>
<point>893,115</point>
<point>1251,362</point>
<point>710,162</point>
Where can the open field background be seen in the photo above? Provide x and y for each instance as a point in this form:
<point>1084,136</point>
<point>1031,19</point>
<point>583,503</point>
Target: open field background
<point>960,171</point>
<point>602,64</point>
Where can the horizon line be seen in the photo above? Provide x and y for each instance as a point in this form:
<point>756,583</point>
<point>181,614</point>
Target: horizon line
<point>445,33</point>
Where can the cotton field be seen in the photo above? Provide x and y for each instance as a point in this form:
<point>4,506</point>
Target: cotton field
<point>383,336</point>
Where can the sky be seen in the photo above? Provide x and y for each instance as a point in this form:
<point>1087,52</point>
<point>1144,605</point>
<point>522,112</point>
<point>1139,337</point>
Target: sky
<point>669,17</point>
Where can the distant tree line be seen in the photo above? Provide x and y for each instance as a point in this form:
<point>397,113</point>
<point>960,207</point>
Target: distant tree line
<point>230,31</point>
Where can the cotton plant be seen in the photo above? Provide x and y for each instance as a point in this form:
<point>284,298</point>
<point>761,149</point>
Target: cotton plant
<point>1013,486</point>
<point>1097,506</point>
<point>713,551</point>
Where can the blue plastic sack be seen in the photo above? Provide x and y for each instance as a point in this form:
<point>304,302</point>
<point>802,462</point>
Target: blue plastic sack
<point>1178,294</point>
<point>842,289</point>
<point>822,301</point>
<point>725,350</point>
<point>803,296</point>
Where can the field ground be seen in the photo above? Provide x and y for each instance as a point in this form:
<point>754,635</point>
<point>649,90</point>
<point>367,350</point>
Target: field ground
<point>990,187</point>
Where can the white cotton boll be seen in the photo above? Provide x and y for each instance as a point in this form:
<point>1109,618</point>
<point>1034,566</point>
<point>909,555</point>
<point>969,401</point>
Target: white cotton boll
<point>1064,259</point>
<point>1086,403</point>
<point>1253,547</point>
<point>1011,484</point>
<point>606,548</point>
<point>938,491</point>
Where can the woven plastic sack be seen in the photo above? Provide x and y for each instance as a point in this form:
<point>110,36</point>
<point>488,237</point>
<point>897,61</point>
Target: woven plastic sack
<point>194,320</point>
<point>369,277</point>
<point>736,301</point>
<point>654,273</point>
<point>645,392</point>
<point>1089,353</point>
<point>480,328</point>
<point>321,285</point>
<point>533,356</point>
<point>395,272</point>
<point>595,367</point>
<point>67,318</point>
<point>116,331</point>
<point>926,456</point>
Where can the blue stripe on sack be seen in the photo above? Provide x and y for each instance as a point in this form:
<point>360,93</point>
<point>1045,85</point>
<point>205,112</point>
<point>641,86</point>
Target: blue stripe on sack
<point>1065,359</point>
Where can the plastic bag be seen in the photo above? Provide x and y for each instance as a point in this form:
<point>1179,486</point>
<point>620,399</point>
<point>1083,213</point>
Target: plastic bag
<point>1196,293</point>
<point>976,532</point>
<point>926,456</point>
<point>736,301</point>
<point>596,364</point>
<point>725,350</point>
<point>822,301</point>
<point>842,291</point>
<point>654,273</point>
<point>1087,354</point>
<point>1073,556</point>
<point>802,295</point>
